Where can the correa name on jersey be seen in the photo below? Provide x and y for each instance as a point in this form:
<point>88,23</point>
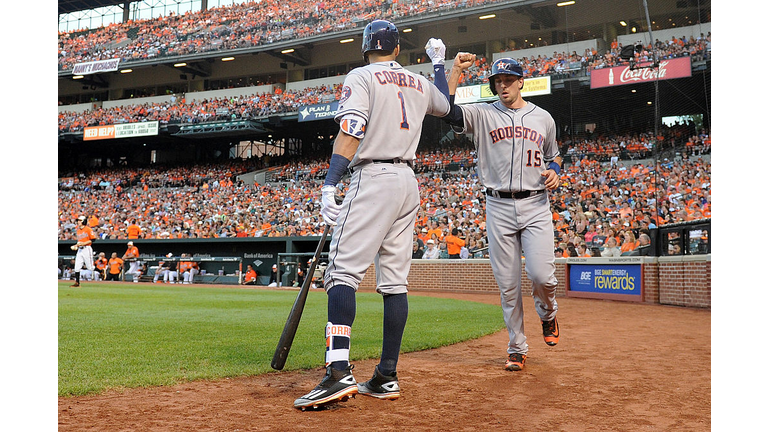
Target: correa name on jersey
<point>399,79</point>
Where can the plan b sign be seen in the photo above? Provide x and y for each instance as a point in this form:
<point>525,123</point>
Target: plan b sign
<point>125,130</point>
<point>608,278</point>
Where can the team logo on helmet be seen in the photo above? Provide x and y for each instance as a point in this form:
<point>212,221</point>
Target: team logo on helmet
<point>380,35</point>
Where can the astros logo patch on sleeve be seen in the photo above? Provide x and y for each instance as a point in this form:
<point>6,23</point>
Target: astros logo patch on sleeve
<point>353,125</point>
<point>346,92</point>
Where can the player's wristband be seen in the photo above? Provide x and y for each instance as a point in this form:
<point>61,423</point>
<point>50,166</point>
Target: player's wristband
<point>336,169</point>
<point>441,82</point>
<point>554,167</point>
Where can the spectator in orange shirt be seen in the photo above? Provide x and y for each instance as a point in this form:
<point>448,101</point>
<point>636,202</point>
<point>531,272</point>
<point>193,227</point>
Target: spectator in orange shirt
<point>250,276</point>
<point>454,244</point>
<point>115,267</point>
<point>629,244</point>
<point>133,230</point>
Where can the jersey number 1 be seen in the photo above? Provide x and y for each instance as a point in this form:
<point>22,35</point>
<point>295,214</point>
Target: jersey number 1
<point>404,123</point>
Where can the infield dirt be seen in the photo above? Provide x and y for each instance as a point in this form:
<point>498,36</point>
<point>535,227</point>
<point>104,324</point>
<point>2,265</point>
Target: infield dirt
<point>618,367</point>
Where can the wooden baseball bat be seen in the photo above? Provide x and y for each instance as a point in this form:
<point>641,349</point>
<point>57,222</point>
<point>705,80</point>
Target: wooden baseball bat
<point>292,324</point>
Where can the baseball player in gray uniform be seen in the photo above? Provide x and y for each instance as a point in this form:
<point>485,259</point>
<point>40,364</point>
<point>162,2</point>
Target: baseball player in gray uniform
<point>517,161</point>
<point>380,115</point>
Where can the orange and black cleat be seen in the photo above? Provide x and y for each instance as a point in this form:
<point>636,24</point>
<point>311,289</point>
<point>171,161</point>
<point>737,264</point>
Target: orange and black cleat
<point>551,332</point>
<point>515,362</point>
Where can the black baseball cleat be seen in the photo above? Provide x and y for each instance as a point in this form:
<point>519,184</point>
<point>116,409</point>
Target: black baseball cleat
<point>337,386</point>
<point>551,332</point>
<point>380,386</point>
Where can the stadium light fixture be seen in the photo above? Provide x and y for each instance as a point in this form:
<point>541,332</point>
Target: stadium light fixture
<point>288,51</point>
<point>126,71</point>
<point>407,30</point>
<point>623,23</point>
<point>227,59</point>
<point>347,40</point>
<point>78,77</point>
<point>179,64</point>
<point>566,3</point>
<point>489,16</point>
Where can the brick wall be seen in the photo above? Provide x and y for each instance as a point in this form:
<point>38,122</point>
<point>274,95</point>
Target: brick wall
<point>680,281</point>
<point>685,281</point>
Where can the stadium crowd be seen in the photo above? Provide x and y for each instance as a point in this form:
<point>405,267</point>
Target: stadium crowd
<point>236,26</point>
<point>200,111</point>
<point>267,21</point>
<point>598,200</point>
<point>563,63</point>
<point>607,196</point>
<point>280,102</point>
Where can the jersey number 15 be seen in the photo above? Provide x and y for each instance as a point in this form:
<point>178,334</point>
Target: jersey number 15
<point>534,158</point>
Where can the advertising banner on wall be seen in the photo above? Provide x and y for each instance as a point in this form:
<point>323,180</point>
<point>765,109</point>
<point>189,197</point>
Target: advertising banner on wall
<point>605,276</point>
<point>318,111</point>
<point>622,75</point>
<point>109,65</point>
<point>124,130</point>
<point>482,92</point>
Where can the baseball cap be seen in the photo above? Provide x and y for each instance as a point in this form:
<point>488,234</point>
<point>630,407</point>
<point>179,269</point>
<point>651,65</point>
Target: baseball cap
<point>424,230</point>
<point>430,241</point>
<point>130,243</point>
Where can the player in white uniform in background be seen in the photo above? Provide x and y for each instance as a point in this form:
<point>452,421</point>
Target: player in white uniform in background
<point>517,161</point>
<point>380,116</point>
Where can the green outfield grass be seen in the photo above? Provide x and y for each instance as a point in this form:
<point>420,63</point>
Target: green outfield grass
<point>114,336</point>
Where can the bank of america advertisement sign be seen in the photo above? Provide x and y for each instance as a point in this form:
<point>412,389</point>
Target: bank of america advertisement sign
<point>622,75</point>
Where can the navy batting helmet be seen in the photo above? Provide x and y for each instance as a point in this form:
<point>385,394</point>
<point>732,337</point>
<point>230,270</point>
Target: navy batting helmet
<point>380,35</point>
<point>504,66</point>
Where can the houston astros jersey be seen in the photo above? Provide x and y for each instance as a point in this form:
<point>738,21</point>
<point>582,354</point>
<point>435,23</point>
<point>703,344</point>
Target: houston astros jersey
<point>514,146</point>
<point>399,98</point>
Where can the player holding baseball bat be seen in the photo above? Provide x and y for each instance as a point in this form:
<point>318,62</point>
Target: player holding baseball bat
<point>380,115</point>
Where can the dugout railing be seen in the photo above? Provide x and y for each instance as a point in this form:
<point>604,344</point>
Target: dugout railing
<point>208,270</point>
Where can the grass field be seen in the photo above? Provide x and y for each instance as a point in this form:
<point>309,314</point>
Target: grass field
<point>114,336</point>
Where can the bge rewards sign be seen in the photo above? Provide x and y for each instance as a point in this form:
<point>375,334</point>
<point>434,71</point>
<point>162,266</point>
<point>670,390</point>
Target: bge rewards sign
<point>603,277</point>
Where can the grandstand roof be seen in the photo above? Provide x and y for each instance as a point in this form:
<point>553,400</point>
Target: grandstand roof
<point>69,6</point>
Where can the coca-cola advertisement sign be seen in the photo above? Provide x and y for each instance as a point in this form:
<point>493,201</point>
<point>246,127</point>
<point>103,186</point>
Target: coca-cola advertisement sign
<point>622,75</point>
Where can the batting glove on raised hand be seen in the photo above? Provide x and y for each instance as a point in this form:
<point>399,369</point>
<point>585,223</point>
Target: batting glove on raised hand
<point>436,51</point>
<point>329,208</point>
